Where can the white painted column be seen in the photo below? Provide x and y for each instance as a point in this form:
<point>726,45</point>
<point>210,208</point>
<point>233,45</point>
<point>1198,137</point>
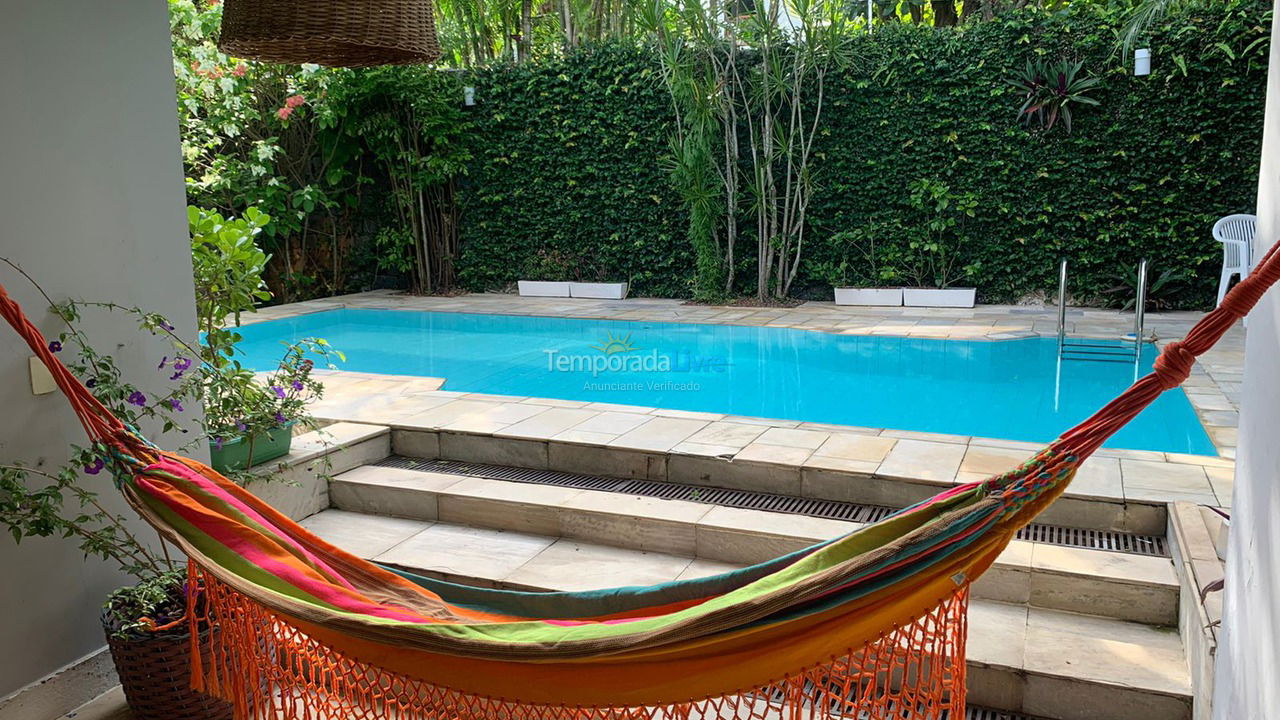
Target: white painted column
<point>1247,679</point>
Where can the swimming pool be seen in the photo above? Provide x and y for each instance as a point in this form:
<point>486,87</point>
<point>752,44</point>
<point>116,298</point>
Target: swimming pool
<point>1007,389</point>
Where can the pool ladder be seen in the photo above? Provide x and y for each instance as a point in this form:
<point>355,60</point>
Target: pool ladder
<point>1085,349</point>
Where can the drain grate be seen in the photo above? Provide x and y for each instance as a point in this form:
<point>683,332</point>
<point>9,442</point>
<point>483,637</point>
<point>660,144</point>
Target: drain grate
<point>1153,545</point>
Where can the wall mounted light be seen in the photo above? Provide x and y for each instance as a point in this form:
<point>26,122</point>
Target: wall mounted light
<point>468,96</point>
<point>1142,61</point>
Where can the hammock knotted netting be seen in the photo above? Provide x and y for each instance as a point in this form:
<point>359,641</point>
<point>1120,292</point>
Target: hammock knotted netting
<point>868,625</point>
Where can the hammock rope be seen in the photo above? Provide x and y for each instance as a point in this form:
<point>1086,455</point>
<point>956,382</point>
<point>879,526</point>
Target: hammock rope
<point>871,624</point>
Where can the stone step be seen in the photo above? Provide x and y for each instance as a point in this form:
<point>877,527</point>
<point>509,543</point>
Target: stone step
<point>1108,584</point>
<point>913,471</point>
<point>1033,660</point>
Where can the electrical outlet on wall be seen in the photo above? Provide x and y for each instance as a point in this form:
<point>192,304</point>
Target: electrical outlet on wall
<point>41,379</point>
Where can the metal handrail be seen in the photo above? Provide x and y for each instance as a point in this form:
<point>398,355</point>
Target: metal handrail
<point>1100,350</point>
<point>1140,310</point>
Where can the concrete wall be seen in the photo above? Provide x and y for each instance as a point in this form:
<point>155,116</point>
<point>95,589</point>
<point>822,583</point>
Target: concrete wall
<point>91,204</point>
<point>1248,667</point>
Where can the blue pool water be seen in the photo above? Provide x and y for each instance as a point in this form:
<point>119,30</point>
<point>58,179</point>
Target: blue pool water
<point>1007,389</point>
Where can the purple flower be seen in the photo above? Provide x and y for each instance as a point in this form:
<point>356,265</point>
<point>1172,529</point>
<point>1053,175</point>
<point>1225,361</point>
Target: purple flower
<point>137,398</point>
<point>281,419</point>
<point>55,346</point>
<point>175,404</point>
<point>297,384</point>
<point>91,383</point>
<point>176,376</point>
<point>163,361</point>
<point>181,364</point>
<point>95,467</point>
<point>279,391</point>
<point>165,324</point>
<point>241,426</point>
<point>217,443</point>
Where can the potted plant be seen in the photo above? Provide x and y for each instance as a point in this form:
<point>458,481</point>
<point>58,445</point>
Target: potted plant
<point>247,421</point>
<point>145,624</point>
<point>872,292</point>
<point>546,269</point>
<point>935,243</point>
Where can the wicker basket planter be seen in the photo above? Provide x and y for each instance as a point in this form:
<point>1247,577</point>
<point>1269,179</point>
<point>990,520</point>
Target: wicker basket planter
<point>342,33</point>
<point>155,672</point>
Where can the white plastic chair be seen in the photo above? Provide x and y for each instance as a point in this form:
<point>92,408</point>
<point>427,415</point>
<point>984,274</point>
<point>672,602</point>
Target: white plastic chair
<point>1235,232</point>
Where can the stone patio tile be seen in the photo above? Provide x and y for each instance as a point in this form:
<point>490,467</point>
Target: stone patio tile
<point>569,565</point>
<point>1002,637</point>
<point>923,460</point>
<point>1107,651</point>
<point>774,454</point>
<point>585,437</point>
<point>688,415</point>
<point>1142,474</point>
<point>615,407</point>
<point>766,422</point>
<point>929,437</point>
<point>495,398</point>
<point>390,491</point>
<point>1098,477</point>
<point>547,424</point>
<point>362,535</point>
<point>659,433</point>
<point>705,450</point>
<point>991,461</point>
<point>1204,460</point>
<point>789,437</point>
<point>612,422</point>
<point>466,552</point>
<point>556,403</point>
<point>733,434</point>
<point>492,419</point>
<point>866,468</point>
<point>446,413</point>
<point>1222,480</point>
<point>522,507</point>
<point>865,448</point>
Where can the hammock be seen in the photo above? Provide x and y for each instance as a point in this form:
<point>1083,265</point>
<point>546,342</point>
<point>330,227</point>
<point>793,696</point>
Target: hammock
<point>868,625</point>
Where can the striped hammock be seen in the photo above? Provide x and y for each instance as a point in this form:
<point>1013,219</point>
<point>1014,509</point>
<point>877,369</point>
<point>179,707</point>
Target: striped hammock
<point>868,625</point>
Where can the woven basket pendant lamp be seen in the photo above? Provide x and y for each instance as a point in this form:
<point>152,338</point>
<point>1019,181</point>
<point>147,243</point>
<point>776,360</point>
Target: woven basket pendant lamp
<point>339,33</point>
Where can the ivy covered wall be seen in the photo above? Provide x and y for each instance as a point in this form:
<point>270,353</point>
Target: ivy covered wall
<point>568,178</point>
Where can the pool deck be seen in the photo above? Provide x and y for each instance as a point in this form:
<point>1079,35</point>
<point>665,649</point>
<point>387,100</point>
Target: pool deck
<point>787,455</point>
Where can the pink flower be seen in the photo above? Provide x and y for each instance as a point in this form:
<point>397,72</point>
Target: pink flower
<point>284,112</point>
<point>240,70</point>
<point>294,101</point>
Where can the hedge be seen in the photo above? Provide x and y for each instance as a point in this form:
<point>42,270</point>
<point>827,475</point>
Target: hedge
<point>569,178</point>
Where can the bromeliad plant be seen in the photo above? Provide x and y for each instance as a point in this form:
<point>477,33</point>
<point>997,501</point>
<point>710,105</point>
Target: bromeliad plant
<point>1049,89</point>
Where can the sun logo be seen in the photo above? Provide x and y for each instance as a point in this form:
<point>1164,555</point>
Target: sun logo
<point>614,345</point>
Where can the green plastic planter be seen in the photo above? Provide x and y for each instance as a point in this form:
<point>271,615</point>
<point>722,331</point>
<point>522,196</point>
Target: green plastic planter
<point>243,452</point>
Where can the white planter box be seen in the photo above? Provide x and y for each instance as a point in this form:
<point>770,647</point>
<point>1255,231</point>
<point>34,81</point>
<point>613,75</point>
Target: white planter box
<point>602,291</point>
<point>539,288</point>
<point>939,297</point>
<point>885,297</point>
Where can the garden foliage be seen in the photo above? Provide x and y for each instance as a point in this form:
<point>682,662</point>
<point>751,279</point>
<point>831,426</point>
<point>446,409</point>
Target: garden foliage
<point>563,168</point>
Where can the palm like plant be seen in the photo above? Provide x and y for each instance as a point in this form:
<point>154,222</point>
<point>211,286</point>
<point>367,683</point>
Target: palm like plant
<point>1050,89</point>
